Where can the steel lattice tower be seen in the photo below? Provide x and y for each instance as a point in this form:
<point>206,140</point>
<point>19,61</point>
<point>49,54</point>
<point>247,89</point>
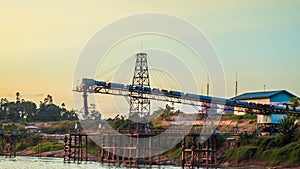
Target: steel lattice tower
<point>139,105</point>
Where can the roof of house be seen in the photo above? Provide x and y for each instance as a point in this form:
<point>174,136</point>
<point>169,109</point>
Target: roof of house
<point>30,127</point>
<point>261,95</point>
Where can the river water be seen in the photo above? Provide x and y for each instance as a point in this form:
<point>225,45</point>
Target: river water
<point>20,162</point>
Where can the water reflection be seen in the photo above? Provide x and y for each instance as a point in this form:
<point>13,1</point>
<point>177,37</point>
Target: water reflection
<point>57,163</point>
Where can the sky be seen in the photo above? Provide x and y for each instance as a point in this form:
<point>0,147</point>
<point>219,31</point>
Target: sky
<point>40,41</point>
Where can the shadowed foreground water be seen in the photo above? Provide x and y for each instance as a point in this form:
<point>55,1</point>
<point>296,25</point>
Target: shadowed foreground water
<point>57,163</point>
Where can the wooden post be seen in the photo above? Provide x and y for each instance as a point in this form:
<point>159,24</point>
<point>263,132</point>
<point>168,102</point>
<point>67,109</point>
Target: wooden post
<point>75,145</point>
<point>41,148</point>
<point>2,144</point>
<point>86,148</point>
<point>150,150</point>
<point>159,150</point>
<point>130,150</point>
<point>214,149</point>
<point>14,146</point>
<point>70,147</point>
<point>137,148</point>
<point>109,145</point>
<point>183,152</point>
<point>80,148</point>
<point>206,151</point>
<point>114,149</point>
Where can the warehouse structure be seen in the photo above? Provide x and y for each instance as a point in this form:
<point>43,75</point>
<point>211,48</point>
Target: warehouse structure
<point>267,122</point>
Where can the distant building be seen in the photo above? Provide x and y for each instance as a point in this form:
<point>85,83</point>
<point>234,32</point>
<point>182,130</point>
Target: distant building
<point>31,129</point>
<point>278,97</point>
<point>268,97</point>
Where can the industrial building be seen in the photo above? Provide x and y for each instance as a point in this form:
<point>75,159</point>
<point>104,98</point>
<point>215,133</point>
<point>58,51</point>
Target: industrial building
<point>278,97</point>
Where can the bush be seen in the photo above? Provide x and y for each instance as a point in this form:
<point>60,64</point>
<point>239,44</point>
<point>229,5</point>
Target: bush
<point>60,127</point>
<point>271,149</point>
<point>93,148</point>
<point>288,127</point>
<point>289,154</point>
<point>241,153</point>
<point>176,153</point>
<point>251,117</point>
<point>50,146</point>
<point>21,146</point>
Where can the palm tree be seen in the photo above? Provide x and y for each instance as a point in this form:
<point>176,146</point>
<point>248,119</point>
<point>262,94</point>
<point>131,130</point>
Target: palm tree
<point>288,127</point>
<point>294,102</point>
<point>18,97</point>
<point>50,100</point>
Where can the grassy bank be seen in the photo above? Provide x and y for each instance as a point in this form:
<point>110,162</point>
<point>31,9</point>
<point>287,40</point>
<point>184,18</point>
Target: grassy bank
<point>270,149</point>
<point>31,143</point>
<point>273,150</point>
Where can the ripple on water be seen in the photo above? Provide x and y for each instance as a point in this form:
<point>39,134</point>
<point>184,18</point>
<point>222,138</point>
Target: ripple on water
<point>57,163</point>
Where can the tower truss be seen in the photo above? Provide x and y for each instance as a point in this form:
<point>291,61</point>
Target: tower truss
<point>140,105</point>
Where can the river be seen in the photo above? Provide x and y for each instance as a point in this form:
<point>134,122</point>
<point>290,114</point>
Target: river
<point>22,162</point>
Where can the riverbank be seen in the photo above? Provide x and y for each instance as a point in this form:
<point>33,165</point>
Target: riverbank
<point>168,161</point>
<point>249,151</point>
<point>254,165</point>
<point>164,160</point>
<point>53,154</point>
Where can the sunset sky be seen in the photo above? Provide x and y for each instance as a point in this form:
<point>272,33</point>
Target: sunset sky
<point>40,41</point>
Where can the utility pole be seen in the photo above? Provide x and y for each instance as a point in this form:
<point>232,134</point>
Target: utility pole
<point>207,86</point>
<point>236,83</point>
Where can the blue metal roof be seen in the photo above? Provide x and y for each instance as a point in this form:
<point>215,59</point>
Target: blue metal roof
<point>261,95</point>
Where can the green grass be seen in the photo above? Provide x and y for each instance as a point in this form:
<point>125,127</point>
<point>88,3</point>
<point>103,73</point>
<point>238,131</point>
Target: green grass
<point>27,142</point>
<point>289,154</point>
<point>50,146</point>
<point>93,148</point>
<point>239,118</point>
<point>175,153</point>
<point>59,127</point>
<point>270,149</point>
<point>242,153</point>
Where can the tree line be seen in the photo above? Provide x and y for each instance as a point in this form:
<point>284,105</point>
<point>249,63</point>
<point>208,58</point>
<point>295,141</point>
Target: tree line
<point>27,111</point>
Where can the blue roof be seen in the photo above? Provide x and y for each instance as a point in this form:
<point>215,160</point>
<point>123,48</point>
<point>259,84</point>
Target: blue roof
<point>261,95</point>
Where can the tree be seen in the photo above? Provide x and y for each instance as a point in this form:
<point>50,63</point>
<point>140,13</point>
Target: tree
<point>48,100</point>
<point>3,101</point>
<point>165,114</point>
<point>119,122</point>
<point>67,114</point>
<point>28,110</point>
<point>18,97</point>
<point>94,114</point>
<point>12,112</point>
<point>294,102</point>
<point>50,112</point>
<point>23,110</point>
<point>287,127</point>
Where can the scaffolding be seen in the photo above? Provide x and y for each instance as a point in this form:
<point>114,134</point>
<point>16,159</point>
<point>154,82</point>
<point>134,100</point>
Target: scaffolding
<point>137,151</point>
<point>196,154</point>
<point>8,145</point>
<point>75,147</point>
